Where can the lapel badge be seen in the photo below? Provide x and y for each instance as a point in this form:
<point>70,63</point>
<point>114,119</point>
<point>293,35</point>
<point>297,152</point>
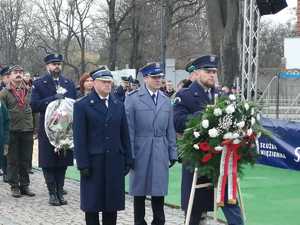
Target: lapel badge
<point>66,81</point>
<point>92,101</point>
<point>45,82</point>
<point>177,100</point>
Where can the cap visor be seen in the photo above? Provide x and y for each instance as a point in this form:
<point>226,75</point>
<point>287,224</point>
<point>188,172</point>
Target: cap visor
<point>104,78</point>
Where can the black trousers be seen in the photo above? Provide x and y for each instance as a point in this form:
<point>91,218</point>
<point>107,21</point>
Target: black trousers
<point>195,217</point>
<point>3,161</point>
<point>108,218</point>
<point>18,158</point>
<point>55,178</point>
<point>157,204</point>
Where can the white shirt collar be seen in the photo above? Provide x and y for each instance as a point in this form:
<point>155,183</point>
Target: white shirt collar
<point>151,92</point>
<point>101,97</point>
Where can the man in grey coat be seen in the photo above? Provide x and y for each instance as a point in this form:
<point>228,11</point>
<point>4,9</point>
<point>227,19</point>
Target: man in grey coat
<point>153,140</point>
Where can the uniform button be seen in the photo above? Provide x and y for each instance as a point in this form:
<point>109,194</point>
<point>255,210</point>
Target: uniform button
<point>107,151</point>
<point>107,138</point>
<point>105,125</point>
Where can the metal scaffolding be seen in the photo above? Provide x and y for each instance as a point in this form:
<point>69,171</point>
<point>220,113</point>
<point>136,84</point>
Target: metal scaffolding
<point>250,47</point>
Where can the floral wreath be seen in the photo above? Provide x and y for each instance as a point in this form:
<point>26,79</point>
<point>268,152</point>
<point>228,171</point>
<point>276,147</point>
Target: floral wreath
<point>220,141</point>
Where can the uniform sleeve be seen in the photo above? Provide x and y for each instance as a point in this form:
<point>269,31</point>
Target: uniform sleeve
<point>5,124</point>
<point>171,136</point>
<point>125,138</point>
<point>181,113</point>
<point>39,104</point>
<point>130,114</point>
<point>80,137</point>
<point>73,92</point>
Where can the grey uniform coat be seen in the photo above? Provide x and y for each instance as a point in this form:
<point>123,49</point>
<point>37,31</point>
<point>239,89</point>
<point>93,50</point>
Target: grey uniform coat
<point>153,142</point>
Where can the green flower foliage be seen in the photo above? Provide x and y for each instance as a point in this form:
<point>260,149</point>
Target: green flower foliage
<point>229,119</point>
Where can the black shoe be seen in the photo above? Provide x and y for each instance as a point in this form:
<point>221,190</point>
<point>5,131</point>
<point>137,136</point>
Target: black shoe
<point>27,191</point>
<point>53,200</point>
<point>64,192</point>
<point>5,179</point>
<point>61,198</point>
<point>15,192</point>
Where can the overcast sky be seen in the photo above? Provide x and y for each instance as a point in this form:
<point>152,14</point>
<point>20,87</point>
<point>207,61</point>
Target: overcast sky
<point>285,14</point>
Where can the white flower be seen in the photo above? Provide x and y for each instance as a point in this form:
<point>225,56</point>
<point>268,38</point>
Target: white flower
<point>241,124</point>
<point>230,109</point>
<point>195,146</point>
<point>252,111</point>
<point>253,121</point>
<point>249,132</point>
<point>236,141</point>
<point>196,134</point>
<point>205,124</point>
<point>213,132</point>
<point>235,135</point>
<point>232,97</point>
<point>219,148</point>
<point>217,112</point>
<point>228,135</point>
<point>258,117</point>
<point>246,105</point>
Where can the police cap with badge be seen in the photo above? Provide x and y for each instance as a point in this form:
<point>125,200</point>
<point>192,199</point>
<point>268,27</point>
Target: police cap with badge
<point>209,62</point>
<point>4,71</point>
<point>53,58</point>
<point>152,70</point>
<point>101,74</point>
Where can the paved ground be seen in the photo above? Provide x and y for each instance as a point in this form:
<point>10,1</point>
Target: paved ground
<point>36,211</point>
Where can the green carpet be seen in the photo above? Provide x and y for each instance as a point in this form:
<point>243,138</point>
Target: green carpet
<point>269,194</point>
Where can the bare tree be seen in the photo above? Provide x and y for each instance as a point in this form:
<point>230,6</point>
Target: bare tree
<point>117,13</point>
<point>223,21</point>
<point>13,33</point>
<point>77,26</point>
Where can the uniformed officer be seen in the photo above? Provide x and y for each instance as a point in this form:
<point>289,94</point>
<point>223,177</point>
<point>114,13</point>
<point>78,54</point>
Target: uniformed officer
<point>153,140</point>
<point>4,81</point>
<point>121,91</point>
<point>188,102</point>
<point>102,150</point>
<point>4,77</point>
<point>44,91</point>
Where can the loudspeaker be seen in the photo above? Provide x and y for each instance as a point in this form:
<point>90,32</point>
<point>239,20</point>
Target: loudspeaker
<point>267,7</point>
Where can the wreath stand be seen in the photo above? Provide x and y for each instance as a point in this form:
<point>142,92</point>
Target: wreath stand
<point>192,196</point>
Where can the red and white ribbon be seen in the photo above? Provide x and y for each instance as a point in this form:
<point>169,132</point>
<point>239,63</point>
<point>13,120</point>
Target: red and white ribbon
<point>228,173</point>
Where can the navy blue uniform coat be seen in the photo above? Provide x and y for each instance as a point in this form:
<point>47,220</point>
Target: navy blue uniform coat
<point>43,92</point>
<point>102,144</point>
<point>191,101</point>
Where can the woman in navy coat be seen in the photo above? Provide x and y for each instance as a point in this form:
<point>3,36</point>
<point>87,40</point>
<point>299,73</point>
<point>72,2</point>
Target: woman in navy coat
<point>102,151</point>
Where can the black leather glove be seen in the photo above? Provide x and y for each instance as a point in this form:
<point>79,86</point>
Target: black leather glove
<point>172,163</point>
<point>86,172</point>
<point>59,96</point>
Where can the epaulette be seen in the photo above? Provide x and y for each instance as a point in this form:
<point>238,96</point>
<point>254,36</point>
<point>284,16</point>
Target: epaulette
<point>132,92</point>
<point>81,98</point>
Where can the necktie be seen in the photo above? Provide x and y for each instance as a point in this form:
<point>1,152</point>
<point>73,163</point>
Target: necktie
<point>105,102</point>
<point>209,94</point>
<point>153,96</point>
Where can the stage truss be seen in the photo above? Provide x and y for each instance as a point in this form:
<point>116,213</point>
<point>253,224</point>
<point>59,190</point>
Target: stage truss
<point>250,48</point>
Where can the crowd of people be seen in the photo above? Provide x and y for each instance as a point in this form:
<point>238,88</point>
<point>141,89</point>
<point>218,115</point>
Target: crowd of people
<point>129,129</point>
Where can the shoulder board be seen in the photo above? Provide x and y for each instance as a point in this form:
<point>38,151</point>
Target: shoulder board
<point>81,98</point>
<point>132,92</point>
